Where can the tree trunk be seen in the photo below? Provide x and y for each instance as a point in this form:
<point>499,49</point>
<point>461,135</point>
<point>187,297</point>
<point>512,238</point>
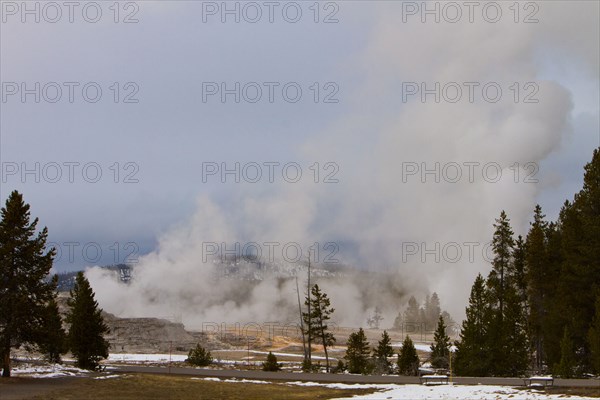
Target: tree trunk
<point>301,321</point>
<point>309,322</point>
<point>324,341</point>
<point>326,355</point>
<point>6,362</point>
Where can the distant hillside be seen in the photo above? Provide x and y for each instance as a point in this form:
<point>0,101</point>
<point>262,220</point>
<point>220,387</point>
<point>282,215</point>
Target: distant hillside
<point>66,280</point>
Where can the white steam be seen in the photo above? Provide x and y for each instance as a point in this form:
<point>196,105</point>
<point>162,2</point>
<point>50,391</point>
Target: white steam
<point>372,207</point>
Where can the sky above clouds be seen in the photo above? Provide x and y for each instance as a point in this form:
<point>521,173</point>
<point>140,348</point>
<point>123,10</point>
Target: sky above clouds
<point>359,61</point>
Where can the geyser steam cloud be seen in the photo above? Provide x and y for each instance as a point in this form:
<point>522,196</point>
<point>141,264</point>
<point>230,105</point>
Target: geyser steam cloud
<point>373,207</point>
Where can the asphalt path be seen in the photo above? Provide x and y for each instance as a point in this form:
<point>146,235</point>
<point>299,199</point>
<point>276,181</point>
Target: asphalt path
<point>334,378</point>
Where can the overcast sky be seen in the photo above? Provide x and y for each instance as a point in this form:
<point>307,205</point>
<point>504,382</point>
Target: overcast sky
<point>361,68</point>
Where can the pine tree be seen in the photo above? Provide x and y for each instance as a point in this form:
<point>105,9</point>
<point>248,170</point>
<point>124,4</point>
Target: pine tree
<point>507,330</point>
<point>412,314</point>
<point>497,282</point>
<point>503,246</point>
<point>382,352</point>
<point>87,326</point>
<point>200,357</point>
<point>580,272</point>
<point>24,267</point>
<point>449,322</point>
<point>53,339</point>
<point>515,359</point>
<point>320,313</point>
<point>554,319</point>
<point>271,364</point>
<point>398,322</point>
<point>594,338</point>
<point>357,353</point>
<point>472,355</point>
<point>536,261</point>
<point>408,359</point>
<point>518,272</point>
<point>432,311</point>
<point>440,350</point>
<point>567,356</point>
<point>340,367</point>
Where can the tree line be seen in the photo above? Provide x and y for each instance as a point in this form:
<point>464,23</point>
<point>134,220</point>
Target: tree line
<point>538,309</point>
<point>29,313</point>
<point>423,317</point>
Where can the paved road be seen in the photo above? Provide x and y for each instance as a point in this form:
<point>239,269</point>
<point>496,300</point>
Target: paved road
<point>341,378</point>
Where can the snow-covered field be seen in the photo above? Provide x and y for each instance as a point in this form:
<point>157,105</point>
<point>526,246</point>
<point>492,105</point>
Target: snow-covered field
<point>47,371</point>
<point>383,391</point>
<point>459,392</point>
<point>165,358</point>
<point>142,358</point>
<point>421,392</point>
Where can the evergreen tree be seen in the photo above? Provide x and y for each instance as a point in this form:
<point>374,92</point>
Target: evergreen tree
<point>515,359</point>
<point>24,267</point>
<point>271,364</point>
<point>449,322</point>
<point>580,272</point>
<point>87,326</point>
<point>408,359</point>
<point>53,339</point>
<point>440,350</point>
<point>412,314</point>
<point>594,338</point>
<point>340,367</point>
<point>357,353</point>
<point>472,355</point>
<point>382,352</point>
<point>316,321</point>
<point>432,311</point>
<point>536,260</point>
<point>398,321</point>
<point>567,356</point>
<point>503,246</point>
<point>553,321</point>
<point>201,357</point>
<point>518,272</point>
<point>507,330</point>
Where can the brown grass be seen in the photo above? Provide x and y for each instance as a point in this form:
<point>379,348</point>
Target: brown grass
<point>575,391</point>
<point>175,387</point>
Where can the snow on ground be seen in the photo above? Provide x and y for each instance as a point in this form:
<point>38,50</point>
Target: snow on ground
<point>459,392</point>
<point>156,358</point>
<point>47,371</point>
<point>278,354</point>
<point>418,346</point>
<point>422,392</point>
<point>232,380</point>
<point>421,347</point>
<point>109,376</point>
<point>344,385</point>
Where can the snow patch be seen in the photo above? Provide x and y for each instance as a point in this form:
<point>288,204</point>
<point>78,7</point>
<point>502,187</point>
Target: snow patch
<point>232,380</point>
<point>47,371</point>
<point>108,376</point>
<point>447,392</point>
<point>155,358</point>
